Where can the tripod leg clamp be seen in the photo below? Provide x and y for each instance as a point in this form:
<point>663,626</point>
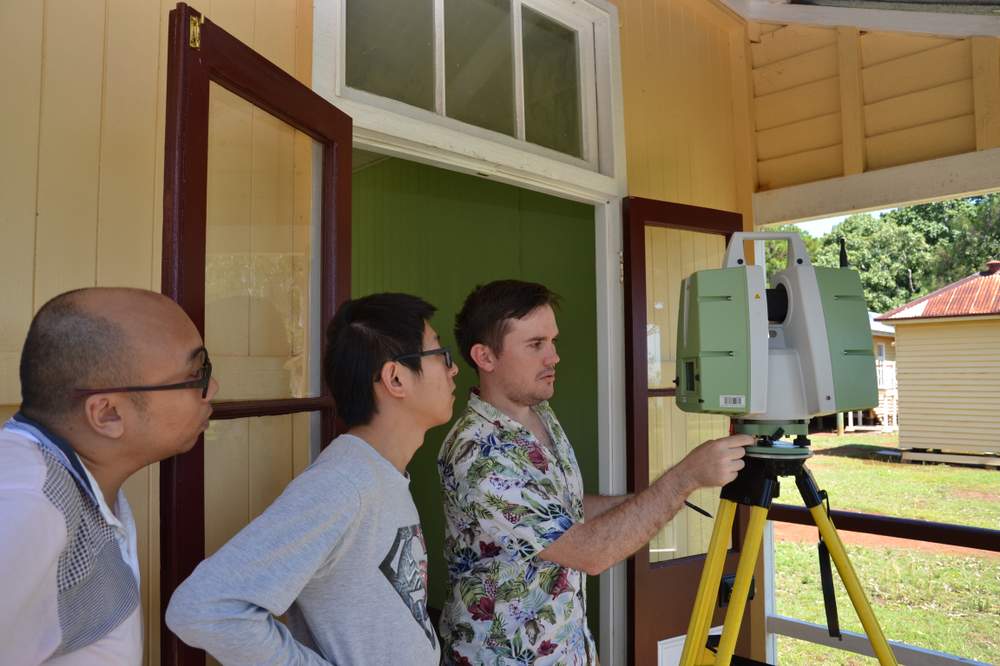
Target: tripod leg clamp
<point>829,595</point>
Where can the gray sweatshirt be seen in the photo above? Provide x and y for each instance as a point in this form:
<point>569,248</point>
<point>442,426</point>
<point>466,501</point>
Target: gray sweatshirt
<point>340,551</point>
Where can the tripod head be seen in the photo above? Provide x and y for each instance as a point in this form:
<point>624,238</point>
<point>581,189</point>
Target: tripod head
<point>774,447</point>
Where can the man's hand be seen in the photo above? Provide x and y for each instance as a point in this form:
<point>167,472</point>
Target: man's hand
<point>594,545</point>
<point>713,464</point>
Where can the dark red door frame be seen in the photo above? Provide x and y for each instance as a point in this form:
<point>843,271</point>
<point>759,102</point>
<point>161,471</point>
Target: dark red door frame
<point>646,628</point>
<point>199,52</point>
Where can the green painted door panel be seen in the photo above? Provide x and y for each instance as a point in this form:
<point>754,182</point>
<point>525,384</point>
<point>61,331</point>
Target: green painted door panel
<point>437,234</point>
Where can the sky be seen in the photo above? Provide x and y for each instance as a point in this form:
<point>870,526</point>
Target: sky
<point>817,228</point>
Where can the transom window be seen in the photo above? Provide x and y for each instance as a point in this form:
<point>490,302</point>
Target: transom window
<point>520,72</point>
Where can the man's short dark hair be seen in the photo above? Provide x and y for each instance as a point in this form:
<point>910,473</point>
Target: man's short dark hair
<point>69,347</point>
<point>365,334</point>
<point>486,314</point>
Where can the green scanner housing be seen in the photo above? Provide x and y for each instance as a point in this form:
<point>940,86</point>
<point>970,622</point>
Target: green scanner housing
<point>774,356</point>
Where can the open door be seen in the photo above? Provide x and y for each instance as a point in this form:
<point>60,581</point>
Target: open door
<point>256,249</point>
<point>664,243</point>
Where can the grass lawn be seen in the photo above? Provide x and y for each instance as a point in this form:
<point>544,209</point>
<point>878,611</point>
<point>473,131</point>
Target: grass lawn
<point>942,602</point>
<point>938,601</point>
<point>850,469</point>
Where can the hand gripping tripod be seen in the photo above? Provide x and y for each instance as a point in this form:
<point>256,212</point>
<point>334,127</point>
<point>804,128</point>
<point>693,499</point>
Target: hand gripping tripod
<point>755,486</point>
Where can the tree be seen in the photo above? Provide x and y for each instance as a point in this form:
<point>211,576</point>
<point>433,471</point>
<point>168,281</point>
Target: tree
<point>934,221</point>
<point>962,234</point>
<point>894,260</point>
<point>907,252</point>
<point>975,241</point>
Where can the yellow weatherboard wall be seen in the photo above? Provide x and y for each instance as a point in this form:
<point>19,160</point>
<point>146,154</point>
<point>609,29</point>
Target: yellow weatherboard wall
<point>682,114</point>
<point>81,182</point>
<point>949,384</point>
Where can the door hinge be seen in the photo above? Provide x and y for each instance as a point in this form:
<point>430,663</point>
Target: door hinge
<point>194,33</point>
<point>621,267</point>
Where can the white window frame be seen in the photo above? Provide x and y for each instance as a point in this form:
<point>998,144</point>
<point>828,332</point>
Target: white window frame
<point>396,128</point>
<point>586,74</point>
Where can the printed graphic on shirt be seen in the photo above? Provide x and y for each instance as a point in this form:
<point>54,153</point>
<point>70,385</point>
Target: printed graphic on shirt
<point>405,567</point>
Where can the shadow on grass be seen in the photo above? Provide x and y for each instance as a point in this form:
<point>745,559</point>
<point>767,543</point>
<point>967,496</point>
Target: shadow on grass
<point>858,451</point>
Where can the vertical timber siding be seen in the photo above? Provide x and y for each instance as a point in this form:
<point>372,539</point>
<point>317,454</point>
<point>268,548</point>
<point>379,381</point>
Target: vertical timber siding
<point>677,77</point>
<point>81,182</point>
<point>949,384</point>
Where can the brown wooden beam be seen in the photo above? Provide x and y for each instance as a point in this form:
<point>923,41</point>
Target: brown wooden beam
<point>902,528</point>
<point>241,409</point>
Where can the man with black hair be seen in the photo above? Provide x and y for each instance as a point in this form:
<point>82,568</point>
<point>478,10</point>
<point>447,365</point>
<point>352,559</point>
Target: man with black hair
<point>111,381</point>
<point>520,534</point>
<point>340,551</point>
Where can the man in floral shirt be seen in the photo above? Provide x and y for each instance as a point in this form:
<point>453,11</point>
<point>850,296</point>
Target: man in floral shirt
<point>521,537</point>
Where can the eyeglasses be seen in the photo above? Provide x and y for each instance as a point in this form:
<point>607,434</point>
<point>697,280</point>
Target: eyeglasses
<point>203,381</point>
<point>443,351</point>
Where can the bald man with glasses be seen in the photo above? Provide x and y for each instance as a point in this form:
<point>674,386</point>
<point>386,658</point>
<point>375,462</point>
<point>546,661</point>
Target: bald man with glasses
<point>112,380</point>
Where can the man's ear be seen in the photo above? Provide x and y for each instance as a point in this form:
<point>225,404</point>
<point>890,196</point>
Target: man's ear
<point>103,416</point>
<point>392,379</point>
<point>483,357</point>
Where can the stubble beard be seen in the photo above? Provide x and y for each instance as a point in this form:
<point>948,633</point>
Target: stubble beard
<point>530,397</point>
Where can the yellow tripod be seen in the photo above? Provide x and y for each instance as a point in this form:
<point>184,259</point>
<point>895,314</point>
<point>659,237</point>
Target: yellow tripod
<point>756,485</point>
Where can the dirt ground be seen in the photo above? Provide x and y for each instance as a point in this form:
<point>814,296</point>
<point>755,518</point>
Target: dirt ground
<point>808,534</point>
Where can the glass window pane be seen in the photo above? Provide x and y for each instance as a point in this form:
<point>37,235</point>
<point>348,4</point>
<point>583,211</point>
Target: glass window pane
<point>551,84</point>
<point>390,49</point>
<point>479,63</point>
<point>672,434</point>
<point>259,253</point>
<point>248,463</point>
<point>671,256</point>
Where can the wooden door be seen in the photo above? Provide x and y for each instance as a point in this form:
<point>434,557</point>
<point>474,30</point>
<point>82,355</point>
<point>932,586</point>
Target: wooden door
<point>259,258</point>
<point>664,243</point>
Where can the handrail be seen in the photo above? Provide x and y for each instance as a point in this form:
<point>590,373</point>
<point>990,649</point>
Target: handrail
<point>980,538</point>
<point>239,409</point>
<point>858,643</point>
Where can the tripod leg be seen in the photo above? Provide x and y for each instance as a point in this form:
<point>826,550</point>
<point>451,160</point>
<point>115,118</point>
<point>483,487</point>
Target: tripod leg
<point>741,588</point>
<point>829,533</point>
<point>708,586</point>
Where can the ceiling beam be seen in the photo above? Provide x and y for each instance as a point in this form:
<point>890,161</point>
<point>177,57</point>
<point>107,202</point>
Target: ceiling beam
<point>943,178</point>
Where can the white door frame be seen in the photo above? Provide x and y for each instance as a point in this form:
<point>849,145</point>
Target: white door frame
<point>393,130</point>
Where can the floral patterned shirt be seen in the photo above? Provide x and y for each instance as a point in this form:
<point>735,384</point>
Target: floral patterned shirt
<point>506,498</point>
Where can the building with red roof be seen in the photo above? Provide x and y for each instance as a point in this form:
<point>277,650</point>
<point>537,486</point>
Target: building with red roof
<point>948,366</point>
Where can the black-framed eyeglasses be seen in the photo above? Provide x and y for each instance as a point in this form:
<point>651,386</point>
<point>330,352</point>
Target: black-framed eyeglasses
<point>203,382</point>
<point>443,351</point>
